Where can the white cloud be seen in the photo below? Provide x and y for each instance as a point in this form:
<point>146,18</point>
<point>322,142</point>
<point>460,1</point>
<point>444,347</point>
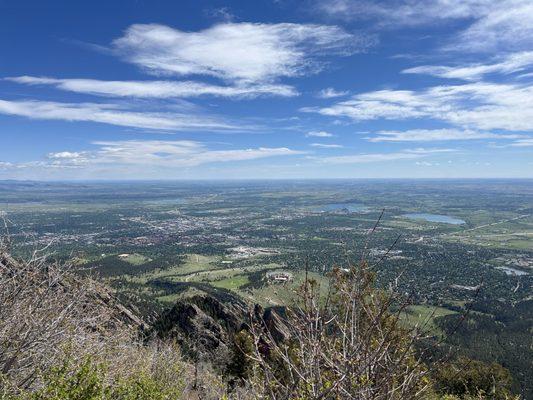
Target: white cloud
<point>528,75</point>
<point>42,165</point>
<point>177,153</point>
<point>491,25</point>
<point>66,159</point>
<point>111,114</point>
<point>511,63</point>
<point>250,56</point>
<point>147,155</point>
<point>319,134</point>
<point>238,52</point>
<point>330,93</point>
<point>66,155</point>
<point>5,165</point>
<point>63,160</point>
<point>471,106</point>
<point>157,89</point>
<point>393,13</point>
<point>507,25</point>
<point>431,135</point>
<point>326,146</point>
<point>522,143</point>
<point>382,157</point>
<point>222,13</point>
<point>369,158</point>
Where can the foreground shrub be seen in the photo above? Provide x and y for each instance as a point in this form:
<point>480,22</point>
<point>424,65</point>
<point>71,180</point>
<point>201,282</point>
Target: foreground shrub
<point>91,381</point>
<point>63,336</point>
<point>47,312</point>
<point>347,345</point>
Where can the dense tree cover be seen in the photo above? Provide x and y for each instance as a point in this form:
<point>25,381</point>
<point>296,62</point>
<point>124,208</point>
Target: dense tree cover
<point>496,331</point>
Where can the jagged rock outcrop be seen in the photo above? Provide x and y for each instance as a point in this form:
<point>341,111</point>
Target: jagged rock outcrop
<point>273,320</point>
<point>203,323</point>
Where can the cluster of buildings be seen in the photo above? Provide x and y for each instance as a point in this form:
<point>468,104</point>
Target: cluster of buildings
<point>279,277</point>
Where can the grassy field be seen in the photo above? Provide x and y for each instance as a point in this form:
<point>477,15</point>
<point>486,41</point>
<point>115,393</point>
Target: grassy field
<point>424,316</point>
<point>135,259</point>
<point>232,283</point>
<point>207,269</point>
<point>198,262</point>
<point>198,268</point>
<point>282,294</point>
<point>515,234</point>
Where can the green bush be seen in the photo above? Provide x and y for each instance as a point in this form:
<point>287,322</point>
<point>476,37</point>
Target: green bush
<point>144,387</point>
<point>466,378</point>
<point>91,381</point>
<point>63,382</point>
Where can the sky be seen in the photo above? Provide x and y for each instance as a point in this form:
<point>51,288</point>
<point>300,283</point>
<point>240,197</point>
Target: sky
<point>266,89</point>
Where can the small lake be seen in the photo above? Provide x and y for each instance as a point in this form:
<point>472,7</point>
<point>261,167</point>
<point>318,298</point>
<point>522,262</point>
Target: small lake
<point>351,207</point>
<point>443,219</point>
<point>512,271</point>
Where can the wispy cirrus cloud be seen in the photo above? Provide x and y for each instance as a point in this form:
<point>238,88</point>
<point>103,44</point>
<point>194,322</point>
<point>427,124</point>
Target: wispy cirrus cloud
<point>326,146</point>
<point>147,154</point>
<point>236,52</point>
<point>45,165</point>
<point>435,135</point>
<point>330,93</point>
<point>113,114</point>
<point>70,159</point>
<point>178,153</point>
<point>505,25</point>
<point>479,105</point>
<point>66,155</point>
<point>522,143</point>
<point>512,63</point>
<point>157,89</point>
<point>382,157</point>
<point>221,13</point>
<point>322,134</point>
<point>395,13</point>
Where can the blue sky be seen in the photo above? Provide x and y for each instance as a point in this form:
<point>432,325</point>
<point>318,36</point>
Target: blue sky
<point>266,89</point>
